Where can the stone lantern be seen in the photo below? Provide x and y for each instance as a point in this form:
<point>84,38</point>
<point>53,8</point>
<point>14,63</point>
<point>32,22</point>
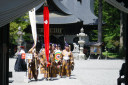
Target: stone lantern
<point>20,39</point>
<point>81,41</point>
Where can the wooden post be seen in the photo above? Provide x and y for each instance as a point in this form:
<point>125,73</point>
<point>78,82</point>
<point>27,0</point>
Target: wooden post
<point>4,55</point>
<point>126,57</point>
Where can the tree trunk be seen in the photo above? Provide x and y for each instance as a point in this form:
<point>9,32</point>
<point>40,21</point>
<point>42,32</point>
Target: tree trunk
<point>122,34</point>
<point>121,30</point>
<point>100,24</point>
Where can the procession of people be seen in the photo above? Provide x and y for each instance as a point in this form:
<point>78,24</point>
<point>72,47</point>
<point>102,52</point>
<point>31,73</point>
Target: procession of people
<point>60,63</point>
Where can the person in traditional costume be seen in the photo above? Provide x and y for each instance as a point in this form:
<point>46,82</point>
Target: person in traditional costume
<point>68,61</point>
<point>41,56</point>
<point>58,59</point>
<point>20,64</point>
<point>44,68</point>
<point>59,47</point>
<point>54,47</point>
<point>53,65</point>
<point>41,49</point>
<point>33,64</point>
<point>43,63</point>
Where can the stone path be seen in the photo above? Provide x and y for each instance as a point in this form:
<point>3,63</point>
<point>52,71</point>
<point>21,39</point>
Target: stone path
<point>86,72</point>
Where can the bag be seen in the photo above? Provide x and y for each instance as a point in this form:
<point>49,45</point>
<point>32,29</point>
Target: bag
<point>23,56</point>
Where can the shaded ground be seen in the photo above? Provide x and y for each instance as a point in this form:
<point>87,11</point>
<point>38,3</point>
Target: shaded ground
<point>86,72</point>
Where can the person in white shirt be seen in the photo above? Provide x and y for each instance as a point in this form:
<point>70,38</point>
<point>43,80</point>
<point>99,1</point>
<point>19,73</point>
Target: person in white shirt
<point>68,61</point>
<point>22,50</point>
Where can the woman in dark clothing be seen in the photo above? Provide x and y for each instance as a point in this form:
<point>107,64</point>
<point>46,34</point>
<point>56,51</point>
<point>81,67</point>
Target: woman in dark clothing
<point>20,64</point>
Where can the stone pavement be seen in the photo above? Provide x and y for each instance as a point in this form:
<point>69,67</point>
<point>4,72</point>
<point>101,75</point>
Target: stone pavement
<point>86,72</point>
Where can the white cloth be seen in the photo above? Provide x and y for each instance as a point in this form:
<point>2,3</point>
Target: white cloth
<point>22,51</point>
<point>66,57</point>
<point>32,18</point>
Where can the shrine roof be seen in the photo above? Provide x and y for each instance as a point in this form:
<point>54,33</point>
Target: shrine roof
<point>56,18</point>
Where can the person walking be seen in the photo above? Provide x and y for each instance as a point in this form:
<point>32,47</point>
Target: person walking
<point>20,64</point>
<point>67,62</point>
<point>33,64</point>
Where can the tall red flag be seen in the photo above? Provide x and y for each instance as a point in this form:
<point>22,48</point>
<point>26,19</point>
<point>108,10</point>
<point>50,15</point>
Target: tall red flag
<point>46,31</point>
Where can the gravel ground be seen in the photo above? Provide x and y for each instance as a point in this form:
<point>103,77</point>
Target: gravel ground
<point>86,72</point>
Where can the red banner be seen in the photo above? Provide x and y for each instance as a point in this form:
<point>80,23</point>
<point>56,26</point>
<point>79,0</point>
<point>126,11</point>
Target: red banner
<point>46,31</point>
<point>23,56</point>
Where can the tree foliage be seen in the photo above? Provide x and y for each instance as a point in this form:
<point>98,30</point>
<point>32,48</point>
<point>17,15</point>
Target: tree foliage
<point>111,26</point>
<point>93,35</point>
<point>23,22</point>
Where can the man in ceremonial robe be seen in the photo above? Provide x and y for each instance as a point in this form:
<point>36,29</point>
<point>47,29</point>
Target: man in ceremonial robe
<point>43,64</point>
<point>67,62</point>
<point>42,60</point>
<point>47,70</point>
<point>33,65</point>
<point>53,64</point>
<point>58,59</point>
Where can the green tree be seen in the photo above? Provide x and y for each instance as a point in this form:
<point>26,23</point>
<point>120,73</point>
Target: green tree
<point>23,22</point>
<point>111,26</point>
<point>93,35</point>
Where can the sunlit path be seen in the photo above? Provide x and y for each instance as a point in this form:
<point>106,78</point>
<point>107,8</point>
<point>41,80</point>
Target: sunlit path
<point>86,72</point>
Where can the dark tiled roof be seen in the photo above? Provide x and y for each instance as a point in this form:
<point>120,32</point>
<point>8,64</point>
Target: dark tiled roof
<point>58,19</point>
<point>72,11</point>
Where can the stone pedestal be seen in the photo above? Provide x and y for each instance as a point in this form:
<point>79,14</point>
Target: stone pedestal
<point>75,51</point>
<point>75,55</point>
<point>81,35</point>
<point>81,57</point>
